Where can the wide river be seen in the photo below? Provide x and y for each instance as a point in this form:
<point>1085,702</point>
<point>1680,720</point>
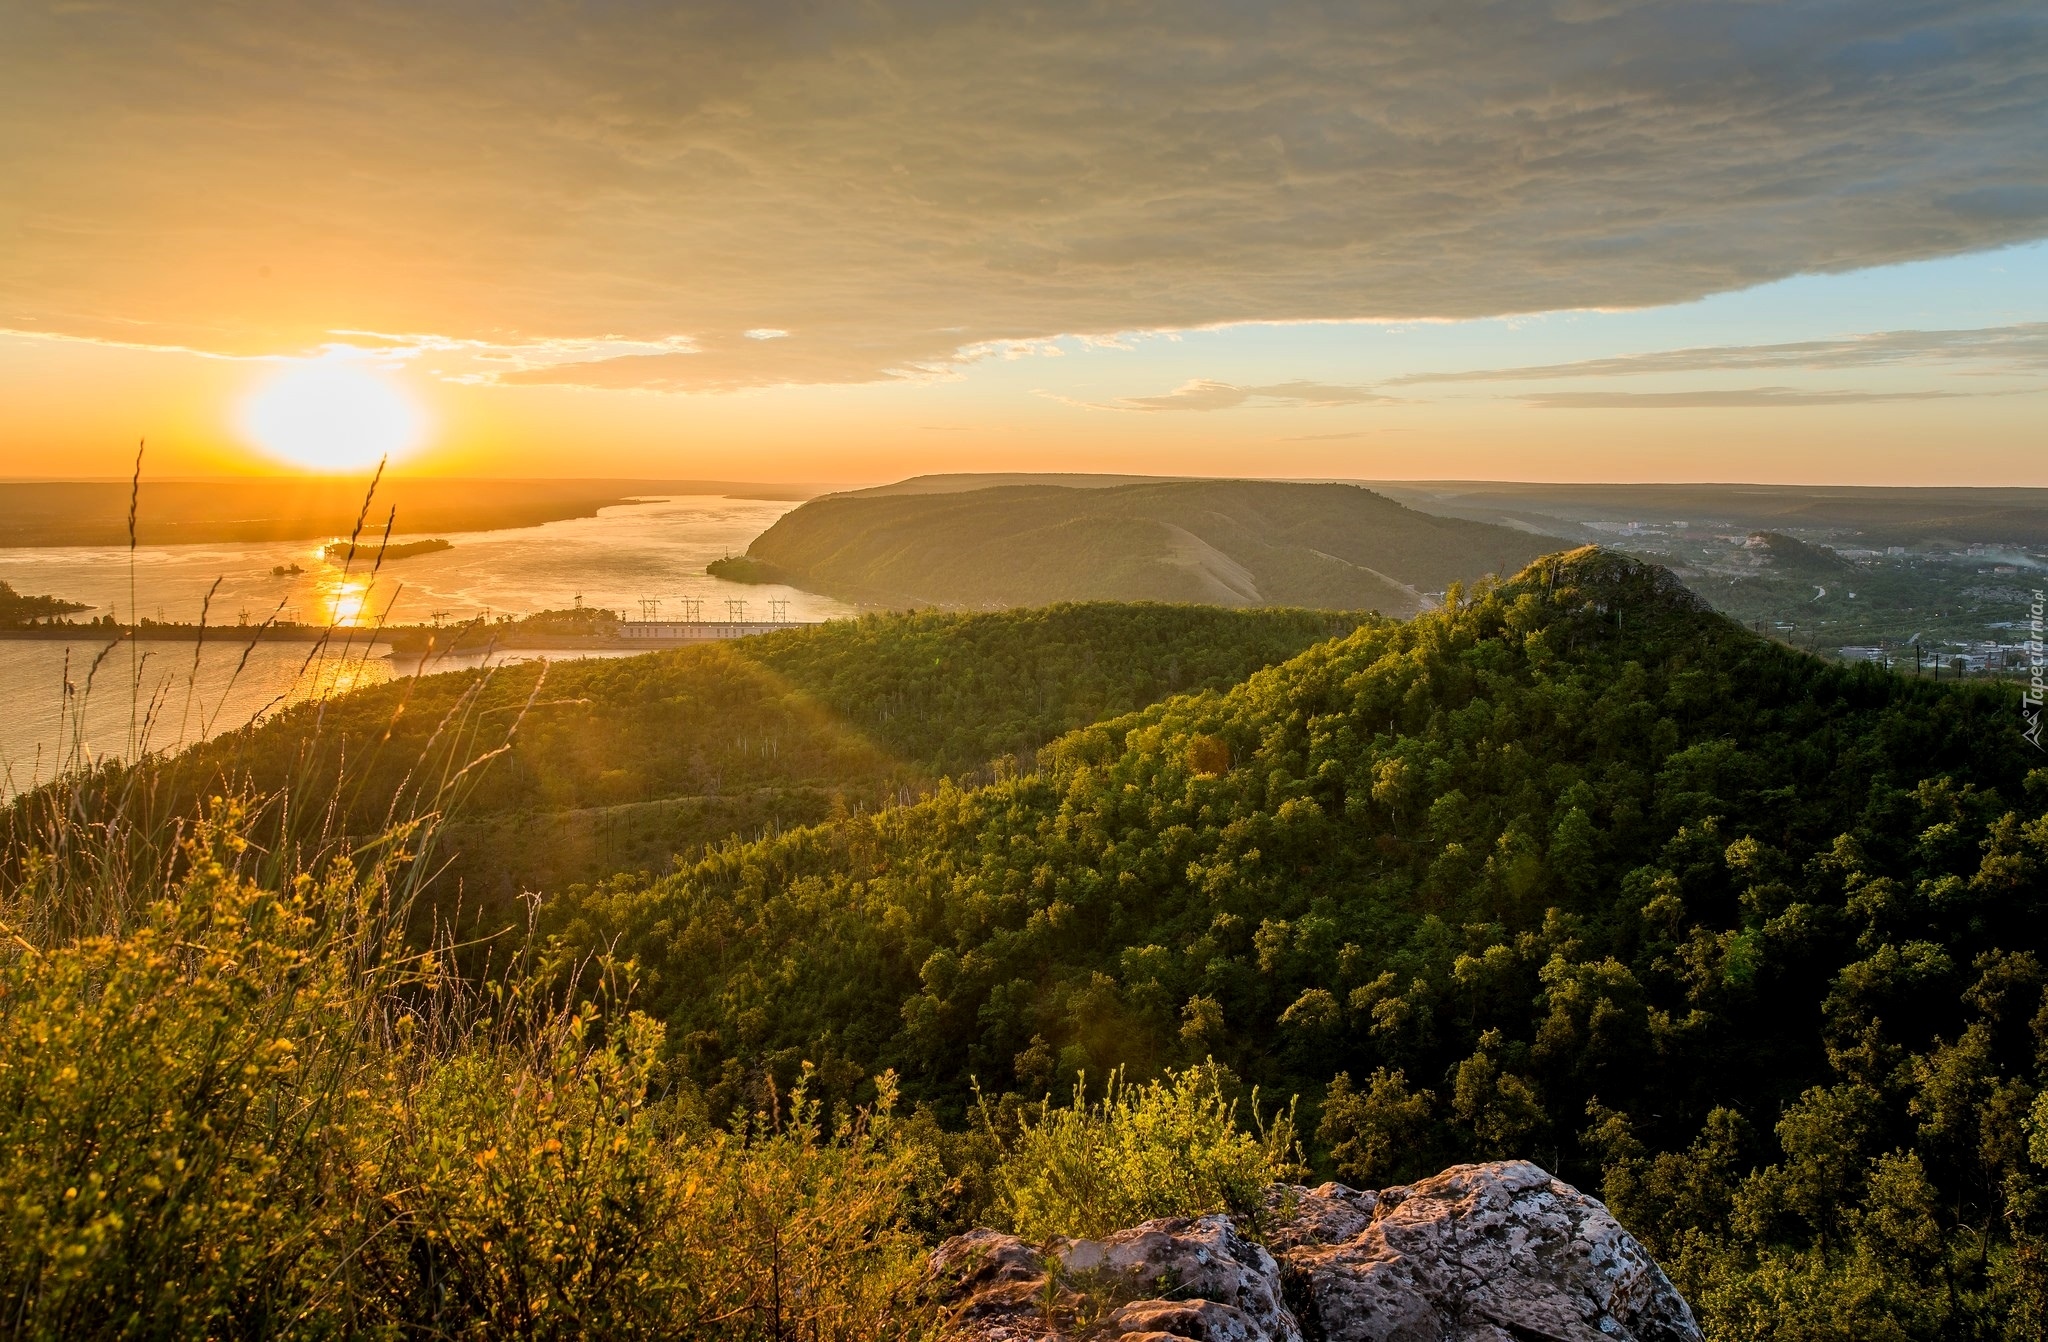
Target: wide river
<point>641,552</point>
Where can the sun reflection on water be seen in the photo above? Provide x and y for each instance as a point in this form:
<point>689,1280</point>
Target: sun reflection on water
<point>347,601</point>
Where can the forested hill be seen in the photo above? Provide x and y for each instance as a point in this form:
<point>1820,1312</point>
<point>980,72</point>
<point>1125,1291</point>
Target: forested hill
<point>1230,542</point>
<point>1574,869</point>
<point>611,765</point>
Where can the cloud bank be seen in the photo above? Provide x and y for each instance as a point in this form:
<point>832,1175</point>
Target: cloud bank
<point>2019,348</point>
<point>897,182</point>
<point>1733,398</point>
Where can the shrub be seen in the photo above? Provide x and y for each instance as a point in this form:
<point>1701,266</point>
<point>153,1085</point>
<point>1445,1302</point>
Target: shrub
<point>785,1229</point>
<point>253,1112</point>
<point>1171,1147</point>
<point>170,1098</point>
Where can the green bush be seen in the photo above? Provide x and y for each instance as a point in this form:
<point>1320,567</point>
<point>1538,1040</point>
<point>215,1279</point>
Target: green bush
<point>1172,1147</point>
<point>250,1111</point>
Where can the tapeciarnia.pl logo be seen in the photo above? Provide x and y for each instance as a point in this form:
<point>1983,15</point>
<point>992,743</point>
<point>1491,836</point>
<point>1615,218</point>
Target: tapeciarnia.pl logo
<point>2037,665</point>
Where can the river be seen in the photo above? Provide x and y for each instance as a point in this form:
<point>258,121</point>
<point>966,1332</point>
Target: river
<point>653,551</point>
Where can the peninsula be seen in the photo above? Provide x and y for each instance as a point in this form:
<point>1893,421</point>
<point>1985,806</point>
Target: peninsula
<point>1226,542</point>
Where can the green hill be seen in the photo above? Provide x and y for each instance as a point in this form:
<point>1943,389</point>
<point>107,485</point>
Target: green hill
<point>1227,542</point>
<point>1575,869</point>
<point>620,764</point>
<point>1795,560</point>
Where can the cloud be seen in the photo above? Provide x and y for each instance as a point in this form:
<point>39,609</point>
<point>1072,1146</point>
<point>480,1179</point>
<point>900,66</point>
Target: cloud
<point>734,363</point>
<point>1199,394</point>
<point>2018,348</point>
<point>1207,394</point>
<point>903,181</point>
<point>1736,398</point>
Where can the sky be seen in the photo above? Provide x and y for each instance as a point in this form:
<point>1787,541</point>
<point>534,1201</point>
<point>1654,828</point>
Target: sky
<point>846,242</point>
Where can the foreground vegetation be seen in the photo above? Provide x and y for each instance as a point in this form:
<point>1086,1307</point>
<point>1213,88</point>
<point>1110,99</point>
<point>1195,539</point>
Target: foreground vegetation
<point>1573,870</point>
<point>248,1108</point>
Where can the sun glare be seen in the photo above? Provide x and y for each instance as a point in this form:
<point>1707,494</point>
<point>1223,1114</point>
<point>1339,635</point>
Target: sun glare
<point>332,415</point>
<point>347,603</point>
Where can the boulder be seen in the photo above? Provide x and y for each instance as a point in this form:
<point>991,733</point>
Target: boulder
<point>1499,1252</point>
<point>1199,1261</point>
<point>1188,1277</point>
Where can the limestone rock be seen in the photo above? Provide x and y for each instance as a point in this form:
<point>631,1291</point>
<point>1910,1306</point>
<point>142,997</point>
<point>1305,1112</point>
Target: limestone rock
<point>1496,1252</point>
<point>1204,1319</point>
<point>1177,1277</point>
<point>1203,1260</point>
<point>1499,1252</point>
<point>996,1288</point>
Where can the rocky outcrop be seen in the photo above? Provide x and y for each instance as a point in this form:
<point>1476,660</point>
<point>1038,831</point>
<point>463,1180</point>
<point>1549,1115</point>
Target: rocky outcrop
<point>1499,1252</point>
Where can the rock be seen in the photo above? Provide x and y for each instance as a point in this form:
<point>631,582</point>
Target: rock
<point>1198,1260</point>
<point>1204,1319</point>
<point>1499,1252</point>
<point>1177,1277</point>
<point>995,1288</point>
<point>1317,1216</point>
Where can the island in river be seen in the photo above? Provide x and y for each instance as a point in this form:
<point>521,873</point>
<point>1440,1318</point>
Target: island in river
<point>344,552</point>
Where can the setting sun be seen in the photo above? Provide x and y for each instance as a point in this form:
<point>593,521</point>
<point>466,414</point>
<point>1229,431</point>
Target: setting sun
<point>332,415</point>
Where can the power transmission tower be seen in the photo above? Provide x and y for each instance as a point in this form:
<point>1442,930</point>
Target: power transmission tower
<point>778,609</point>
<point>736,610</point>
<point>650,607</point>
<point>693,608</point>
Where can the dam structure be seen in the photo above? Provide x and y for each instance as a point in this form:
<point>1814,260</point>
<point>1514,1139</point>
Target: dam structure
<point>679,633</point>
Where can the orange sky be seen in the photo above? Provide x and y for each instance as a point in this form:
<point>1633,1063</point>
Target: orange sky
<point>1669,240</point>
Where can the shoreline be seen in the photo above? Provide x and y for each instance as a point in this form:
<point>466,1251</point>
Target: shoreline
<point>407,640</point>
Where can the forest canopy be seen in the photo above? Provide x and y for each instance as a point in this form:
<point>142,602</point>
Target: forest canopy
<point>1572,869</point>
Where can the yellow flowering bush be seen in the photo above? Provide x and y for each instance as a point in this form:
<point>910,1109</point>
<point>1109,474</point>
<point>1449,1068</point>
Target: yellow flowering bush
<point>254,1113</point>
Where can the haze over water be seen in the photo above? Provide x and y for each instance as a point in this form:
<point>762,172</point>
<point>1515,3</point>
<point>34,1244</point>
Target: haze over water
<point>655,550</point>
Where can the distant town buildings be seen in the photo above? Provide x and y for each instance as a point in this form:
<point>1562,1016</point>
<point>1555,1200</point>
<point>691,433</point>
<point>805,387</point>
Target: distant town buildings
<point>1974,658</point>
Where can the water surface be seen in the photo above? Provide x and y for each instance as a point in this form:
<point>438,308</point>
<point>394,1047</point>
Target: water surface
<point>652,552</point>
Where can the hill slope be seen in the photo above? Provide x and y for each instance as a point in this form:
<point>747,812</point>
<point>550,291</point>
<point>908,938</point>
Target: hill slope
<point>1578,870</point>
<point>1227,542</point>
<point>620,764</point>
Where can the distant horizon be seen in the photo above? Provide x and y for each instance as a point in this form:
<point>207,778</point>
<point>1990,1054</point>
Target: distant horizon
<point>825,487</point>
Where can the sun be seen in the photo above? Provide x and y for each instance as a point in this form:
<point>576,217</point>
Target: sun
<point>332,415</point>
